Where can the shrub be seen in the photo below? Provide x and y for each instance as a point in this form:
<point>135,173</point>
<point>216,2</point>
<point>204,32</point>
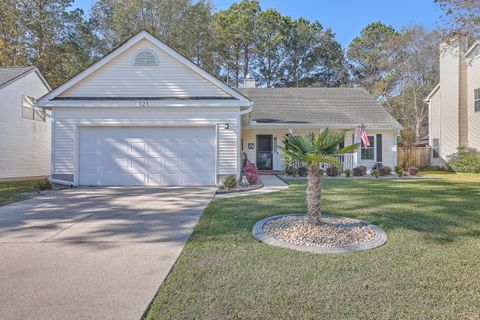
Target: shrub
<point>399,171</point>
<point>359,171</point>
<point>332,171</point>
<point>43,185</point>
<point>412,171</point>
<point>465,160</point>
<point>375,173</point>
<point>291,170</point>
<point>251,172</point>
<point>384,171</point>
<point>230,182</point>
<point>348,173</point>
<point>302,171</point>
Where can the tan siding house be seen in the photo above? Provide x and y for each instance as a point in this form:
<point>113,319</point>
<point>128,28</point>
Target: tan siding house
<point>453,119</point>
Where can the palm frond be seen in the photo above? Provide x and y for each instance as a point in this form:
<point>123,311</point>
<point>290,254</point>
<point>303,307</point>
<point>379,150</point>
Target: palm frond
<point>315,149</point>
<point>348,149</point>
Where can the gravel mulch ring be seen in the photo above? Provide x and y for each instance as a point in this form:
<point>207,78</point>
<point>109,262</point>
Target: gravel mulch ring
<point>333,232</point>
<point>335,235</point>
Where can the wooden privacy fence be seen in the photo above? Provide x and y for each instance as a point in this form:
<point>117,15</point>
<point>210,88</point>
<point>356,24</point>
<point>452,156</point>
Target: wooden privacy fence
<point>413,156</point>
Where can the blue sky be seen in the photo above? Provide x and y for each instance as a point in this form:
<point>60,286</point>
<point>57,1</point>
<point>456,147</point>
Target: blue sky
<point>346,17</point>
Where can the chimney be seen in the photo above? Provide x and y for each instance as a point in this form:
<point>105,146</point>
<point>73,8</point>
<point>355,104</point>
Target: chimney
<point>248,82</point>
<point>453,88</point>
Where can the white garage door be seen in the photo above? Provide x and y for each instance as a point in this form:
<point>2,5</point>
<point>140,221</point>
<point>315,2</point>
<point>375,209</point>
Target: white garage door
<point>147,156</point>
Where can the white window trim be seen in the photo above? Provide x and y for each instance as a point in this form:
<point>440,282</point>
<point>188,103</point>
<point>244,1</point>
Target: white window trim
<point>24,97</point>
<point>374,148</point>
<point>475,99</point>
<point>34,109</point>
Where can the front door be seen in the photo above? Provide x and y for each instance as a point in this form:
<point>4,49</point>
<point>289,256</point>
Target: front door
<point>264,152</point>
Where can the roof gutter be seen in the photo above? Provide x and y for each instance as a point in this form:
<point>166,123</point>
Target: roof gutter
<point>247,111</point>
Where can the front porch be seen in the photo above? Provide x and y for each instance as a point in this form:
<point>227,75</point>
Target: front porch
<point>263,148</point>
<point>261,144</point>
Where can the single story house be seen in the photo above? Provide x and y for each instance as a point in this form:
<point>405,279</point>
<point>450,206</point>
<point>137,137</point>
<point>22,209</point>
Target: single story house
<point>25,129</point>
<point>145,115</point>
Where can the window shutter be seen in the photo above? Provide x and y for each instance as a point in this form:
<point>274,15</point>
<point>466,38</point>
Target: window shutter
<point>379,148</point>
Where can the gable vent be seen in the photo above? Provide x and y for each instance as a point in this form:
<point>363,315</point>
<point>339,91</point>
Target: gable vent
<point>145,57</point>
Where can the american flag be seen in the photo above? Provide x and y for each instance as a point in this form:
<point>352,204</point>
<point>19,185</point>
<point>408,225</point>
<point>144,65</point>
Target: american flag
<point>364,137</point>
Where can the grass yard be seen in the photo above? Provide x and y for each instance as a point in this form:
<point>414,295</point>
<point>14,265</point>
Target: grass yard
<point>11,191</point>
<point>429,268</point>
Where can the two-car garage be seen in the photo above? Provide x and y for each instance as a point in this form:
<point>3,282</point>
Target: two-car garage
<point>160,156</point>
<point>144,115</point>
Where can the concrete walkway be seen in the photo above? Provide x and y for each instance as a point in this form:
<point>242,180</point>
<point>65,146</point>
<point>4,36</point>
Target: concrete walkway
<point>271,183</point>
<point>92,253</point>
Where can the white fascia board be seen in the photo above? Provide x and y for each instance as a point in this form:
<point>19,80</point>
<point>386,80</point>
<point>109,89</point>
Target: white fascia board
<point>127,45</point>
<point>138,104</point>
<point>286,126</point>
<point>42,78</point>
<point>254,125</point>
<point>430,95</point>
<point>472,49</point>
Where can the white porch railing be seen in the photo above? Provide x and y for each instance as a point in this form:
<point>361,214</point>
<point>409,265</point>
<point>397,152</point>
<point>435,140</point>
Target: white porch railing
<point>346,161</point>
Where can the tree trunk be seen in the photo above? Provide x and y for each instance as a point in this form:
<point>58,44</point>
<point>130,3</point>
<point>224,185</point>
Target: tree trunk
<point>314,190</point>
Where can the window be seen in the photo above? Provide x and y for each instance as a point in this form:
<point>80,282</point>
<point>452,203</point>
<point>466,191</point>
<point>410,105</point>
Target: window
<point>28,107</point>
<point>477,99</point>
<point>39,114</point>
<point>145,57</point>
<point>369,152</point>
<point>29,111</point>
<point>435,148</point>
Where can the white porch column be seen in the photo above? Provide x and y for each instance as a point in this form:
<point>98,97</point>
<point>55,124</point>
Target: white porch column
<point>355,154</point>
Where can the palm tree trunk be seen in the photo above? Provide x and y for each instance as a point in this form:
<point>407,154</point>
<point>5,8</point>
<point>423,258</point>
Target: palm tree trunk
<point>314,190</point>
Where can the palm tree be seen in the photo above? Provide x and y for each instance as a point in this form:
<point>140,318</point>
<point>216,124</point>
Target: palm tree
<point>314,150</point>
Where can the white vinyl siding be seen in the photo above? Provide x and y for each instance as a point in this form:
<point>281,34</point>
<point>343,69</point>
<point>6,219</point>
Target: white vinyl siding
<point>121,78</point>
<point>24,144</point>
<point>68,120</point>
<point>448,99</point>
<point>389,147</point>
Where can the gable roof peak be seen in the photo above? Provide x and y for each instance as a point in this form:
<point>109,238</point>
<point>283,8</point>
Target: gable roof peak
<point>129,43</point>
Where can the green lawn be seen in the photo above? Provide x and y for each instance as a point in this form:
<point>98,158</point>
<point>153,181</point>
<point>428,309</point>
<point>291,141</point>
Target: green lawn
<point>11,191</point>
<point>429,268</point>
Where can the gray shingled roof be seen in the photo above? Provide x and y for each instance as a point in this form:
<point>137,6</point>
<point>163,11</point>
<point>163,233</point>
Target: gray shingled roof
<point>322,106</point>
<point>9,73</point>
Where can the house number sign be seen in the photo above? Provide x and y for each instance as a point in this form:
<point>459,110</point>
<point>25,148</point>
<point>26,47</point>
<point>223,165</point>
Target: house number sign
<point>143,103</point>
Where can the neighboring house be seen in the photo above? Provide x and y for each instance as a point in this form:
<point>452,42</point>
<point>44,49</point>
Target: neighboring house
<point>454,104</point>
<point>145,115</point>
<point>24,129</point>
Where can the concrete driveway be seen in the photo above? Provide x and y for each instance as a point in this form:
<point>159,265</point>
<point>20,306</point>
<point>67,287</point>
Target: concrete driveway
<point>92,253</point>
